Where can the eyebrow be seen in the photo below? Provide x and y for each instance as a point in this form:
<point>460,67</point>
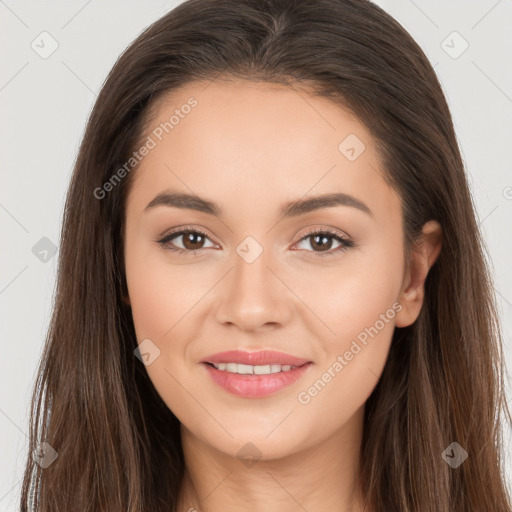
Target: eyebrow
<point>291,209</point>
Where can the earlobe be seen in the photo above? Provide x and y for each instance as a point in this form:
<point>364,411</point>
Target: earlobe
<point>424,254</point>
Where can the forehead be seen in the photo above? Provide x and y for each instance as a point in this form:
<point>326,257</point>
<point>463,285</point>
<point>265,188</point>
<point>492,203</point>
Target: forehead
<point>251,141</point>
<point>248,114</point>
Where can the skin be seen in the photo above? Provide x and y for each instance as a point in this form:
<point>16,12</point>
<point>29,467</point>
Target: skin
<point>251,147</point>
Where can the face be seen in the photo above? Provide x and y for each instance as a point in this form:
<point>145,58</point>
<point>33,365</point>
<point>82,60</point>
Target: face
<point>240,267</point>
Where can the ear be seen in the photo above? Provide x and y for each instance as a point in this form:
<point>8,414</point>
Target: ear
<point>424,254</point>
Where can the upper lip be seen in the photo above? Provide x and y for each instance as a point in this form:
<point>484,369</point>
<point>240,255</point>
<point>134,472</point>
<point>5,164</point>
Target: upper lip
<point>262,357</point>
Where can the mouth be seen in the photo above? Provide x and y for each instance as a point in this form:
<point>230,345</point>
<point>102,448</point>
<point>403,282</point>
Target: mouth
<point>248,369</point>
<point>254,374</point>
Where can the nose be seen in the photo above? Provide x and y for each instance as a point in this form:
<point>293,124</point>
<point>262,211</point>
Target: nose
<point>253,295</point>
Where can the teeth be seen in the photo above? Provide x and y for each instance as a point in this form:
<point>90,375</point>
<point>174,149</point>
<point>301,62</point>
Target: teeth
<point>247,369</point>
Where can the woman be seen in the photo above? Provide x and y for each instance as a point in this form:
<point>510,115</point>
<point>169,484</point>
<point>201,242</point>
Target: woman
<point>272,290</point>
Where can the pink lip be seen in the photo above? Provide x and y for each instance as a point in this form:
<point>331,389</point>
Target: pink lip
<point>255,386</point>
<point>259,358</point>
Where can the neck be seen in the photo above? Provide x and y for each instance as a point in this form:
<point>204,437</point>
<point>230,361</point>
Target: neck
<point>319,478</point>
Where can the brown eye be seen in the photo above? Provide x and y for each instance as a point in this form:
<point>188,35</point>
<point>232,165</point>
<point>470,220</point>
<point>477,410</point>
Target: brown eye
<point>321,242</point>
<point>191,241</point>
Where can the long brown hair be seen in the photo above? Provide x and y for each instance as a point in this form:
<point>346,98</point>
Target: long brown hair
<point>118,444</point>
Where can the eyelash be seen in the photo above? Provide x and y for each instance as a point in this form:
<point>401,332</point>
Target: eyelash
<point>345,242</point>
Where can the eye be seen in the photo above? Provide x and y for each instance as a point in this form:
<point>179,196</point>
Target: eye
<point>192,241</point>
<point>322,240</point>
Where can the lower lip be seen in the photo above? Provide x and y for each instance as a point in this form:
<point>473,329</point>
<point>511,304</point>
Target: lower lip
<point>255,386</point>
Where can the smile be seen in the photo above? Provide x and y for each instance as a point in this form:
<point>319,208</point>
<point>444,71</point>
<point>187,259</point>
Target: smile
<point>254,374</point>
<point>249,369</point>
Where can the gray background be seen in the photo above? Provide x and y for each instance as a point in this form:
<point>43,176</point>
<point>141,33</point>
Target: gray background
<point>45,103</point>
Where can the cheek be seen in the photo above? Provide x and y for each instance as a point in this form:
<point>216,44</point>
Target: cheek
<point>150,290</point>
<point>160,293</point>
<point>351,295</point>
<point>359,305</point>
<point>150,306</point>
<point>156,294</point>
